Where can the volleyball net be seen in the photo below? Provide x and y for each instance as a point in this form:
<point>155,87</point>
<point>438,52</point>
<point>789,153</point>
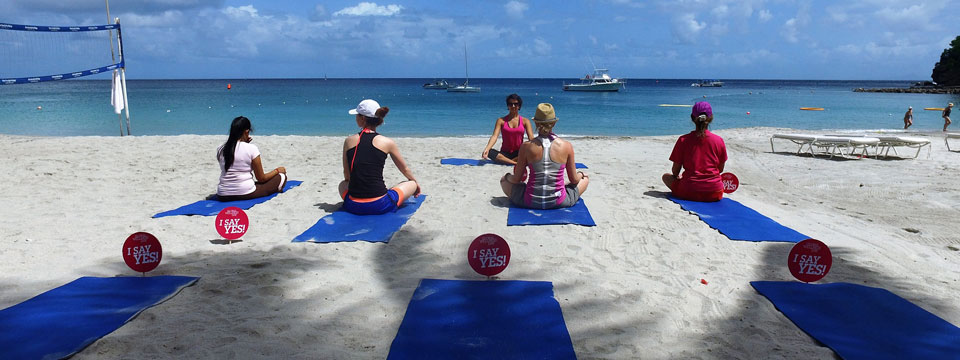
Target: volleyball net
<point>34,53</point>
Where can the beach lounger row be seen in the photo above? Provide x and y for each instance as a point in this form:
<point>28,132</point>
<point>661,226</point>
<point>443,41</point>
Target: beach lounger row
<point>852,144</point>
<point>946,139</point>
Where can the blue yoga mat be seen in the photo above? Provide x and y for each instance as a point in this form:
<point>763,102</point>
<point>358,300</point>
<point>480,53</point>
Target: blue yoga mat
<point>213,207</point>
<point>739,222</point>
<point>576,215</point>
<point>862,322</point>
<point>478,162</point>
<point>457,319</point>
<point>342,226</point>
<point>63,321</point>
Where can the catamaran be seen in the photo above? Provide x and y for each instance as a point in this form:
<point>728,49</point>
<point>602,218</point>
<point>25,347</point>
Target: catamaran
<point>465,87</point>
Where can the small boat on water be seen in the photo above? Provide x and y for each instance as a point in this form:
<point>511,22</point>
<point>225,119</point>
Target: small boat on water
<point>707,83</point>
<point>465,87</point>
<point>600,81</point>
<point>437,85</point>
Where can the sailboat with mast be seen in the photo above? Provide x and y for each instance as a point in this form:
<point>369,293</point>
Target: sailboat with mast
<point>465,87</point>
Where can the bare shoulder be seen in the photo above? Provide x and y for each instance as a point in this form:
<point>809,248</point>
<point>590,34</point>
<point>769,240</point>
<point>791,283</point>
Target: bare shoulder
<point>351,141</point>
<point>384,143</point>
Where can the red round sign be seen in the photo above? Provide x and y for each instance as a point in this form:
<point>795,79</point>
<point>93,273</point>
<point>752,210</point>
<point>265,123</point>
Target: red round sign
<point>232,223</point>
<point>730,182</point>
<point>809,260</point>
<point>142,252</point>
<point>488,254</point>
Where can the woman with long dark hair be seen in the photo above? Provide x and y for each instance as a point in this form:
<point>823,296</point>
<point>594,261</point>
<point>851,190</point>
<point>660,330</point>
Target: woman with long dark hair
<point>512,126</point>
<point>701,154</point>
<point>241,172</point>
<point>364,156</point>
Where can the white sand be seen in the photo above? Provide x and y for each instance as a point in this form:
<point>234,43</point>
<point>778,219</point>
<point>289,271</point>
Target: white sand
<point>629,287</point>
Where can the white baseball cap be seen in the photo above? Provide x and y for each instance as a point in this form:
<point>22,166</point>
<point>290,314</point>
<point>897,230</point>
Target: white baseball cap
<point>366,108</point>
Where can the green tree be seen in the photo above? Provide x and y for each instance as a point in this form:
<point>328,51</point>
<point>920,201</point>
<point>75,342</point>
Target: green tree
<point>947,71</point>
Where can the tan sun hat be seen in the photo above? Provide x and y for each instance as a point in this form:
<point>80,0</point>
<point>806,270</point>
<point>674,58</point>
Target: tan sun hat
<point>544,113</point>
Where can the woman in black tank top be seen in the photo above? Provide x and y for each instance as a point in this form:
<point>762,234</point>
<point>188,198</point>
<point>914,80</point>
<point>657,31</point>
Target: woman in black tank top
<point>364,156</point>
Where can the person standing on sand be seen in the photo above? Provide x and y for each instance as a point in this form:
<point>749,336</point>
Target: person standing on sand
<point>364,155</point>
<point>701,155</point>
<point>547,158</point>
<point>513,127</point>
<point>946,116</point>
<point>240,165</point>
<point>908,118</point>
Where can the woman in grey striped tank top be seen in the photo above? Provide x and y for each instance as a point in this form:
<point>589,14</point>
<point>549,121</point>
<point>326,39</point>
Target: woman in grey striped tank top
<point>549,161</point>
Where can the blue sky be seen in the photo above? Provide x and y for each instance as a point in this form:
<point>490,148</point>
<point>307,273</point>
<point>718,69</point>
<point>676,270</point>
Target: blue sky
<point>726,39</point>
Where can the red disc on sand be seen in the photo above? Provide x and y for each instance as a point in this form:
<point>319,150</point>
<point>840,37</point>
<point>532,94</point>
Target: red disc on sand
<point>809,260</point>
<point>488,254</point>
<point>142,252</point>
<point>232,223</point>
<point>730,182</point>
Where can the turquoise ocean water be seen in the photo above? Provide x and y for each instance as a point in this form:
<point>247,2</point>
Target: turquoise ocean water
<point>319,107</point>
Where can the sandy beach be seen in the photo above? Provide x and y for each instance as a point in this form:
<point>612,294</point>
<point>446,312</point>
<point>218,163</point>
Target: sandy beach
<point>630,288</point>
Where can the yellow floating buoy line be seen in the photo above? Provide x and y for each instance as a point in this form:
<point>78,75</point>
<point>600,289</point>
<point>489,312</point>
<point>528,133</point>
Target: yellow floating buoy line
<point>812,108</point>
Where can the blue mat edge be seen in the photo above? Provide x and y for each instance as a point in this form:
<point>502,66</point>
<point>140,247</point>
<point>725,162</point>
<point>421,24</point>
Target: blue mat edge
<point>675,201</point>
<point>463,162</point>
<point>589,215</point>
<point>419,203</point>
<point>553,297</point>
<point>192,281</point>
<point>287,187</point>
<point>763,283</point>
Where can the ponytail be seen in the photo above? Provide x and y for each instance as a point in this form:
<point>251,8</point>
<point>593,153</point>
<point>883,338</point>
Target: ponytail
<point>372,122</point>
<point>702,121</point>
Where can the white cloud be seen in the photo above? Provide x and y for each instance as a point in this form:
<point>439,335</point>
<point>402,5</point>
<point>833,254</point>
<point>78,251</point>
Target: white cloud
<point>687,28</point>
<point>720,11</point>
<point>369,9</point>
<point>791,28</point>
<point>541,47</point>
<point>764,15</point>
<point>515,9</point>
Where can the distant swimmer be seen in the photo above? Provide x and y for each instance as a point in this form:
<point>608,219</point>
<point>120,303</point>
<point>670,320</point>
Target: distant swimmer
<point>908,118</point>
<point>946,116</point>
<point>39,107</point>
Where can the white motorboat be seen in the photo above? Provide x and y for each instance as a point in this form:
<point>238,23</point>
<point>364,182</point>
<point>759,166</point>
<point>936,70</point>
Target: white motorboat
<point>437,85</point>
<point>707,83</point>
<point>600,81</point>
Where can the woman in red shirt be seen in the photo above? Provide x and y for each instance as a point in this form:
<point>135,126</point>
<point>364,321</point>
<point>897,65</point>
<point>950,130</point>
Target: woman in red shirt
<point>701,154</point>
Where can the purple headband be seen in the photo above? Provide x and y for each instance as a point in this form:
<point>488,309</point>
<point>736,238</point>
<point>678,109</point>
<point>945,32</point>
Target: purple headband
<point>702,107</point>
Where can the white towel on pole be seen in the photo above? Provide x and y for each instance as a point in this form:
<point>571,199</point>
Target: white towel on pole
<point>116,93</point>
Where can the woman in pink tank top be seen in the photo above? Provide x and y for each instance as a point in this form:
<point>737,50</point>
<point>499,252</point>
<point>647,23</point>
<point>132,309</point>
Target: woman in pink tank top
<point>513,127</point>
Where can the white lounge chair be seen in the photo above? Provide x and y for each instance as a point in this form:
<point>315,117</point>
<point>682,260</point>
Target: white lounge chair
<point>798,139</point>
<point>837,144</point>
<point>948,137</point>
<point>891,142</point>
